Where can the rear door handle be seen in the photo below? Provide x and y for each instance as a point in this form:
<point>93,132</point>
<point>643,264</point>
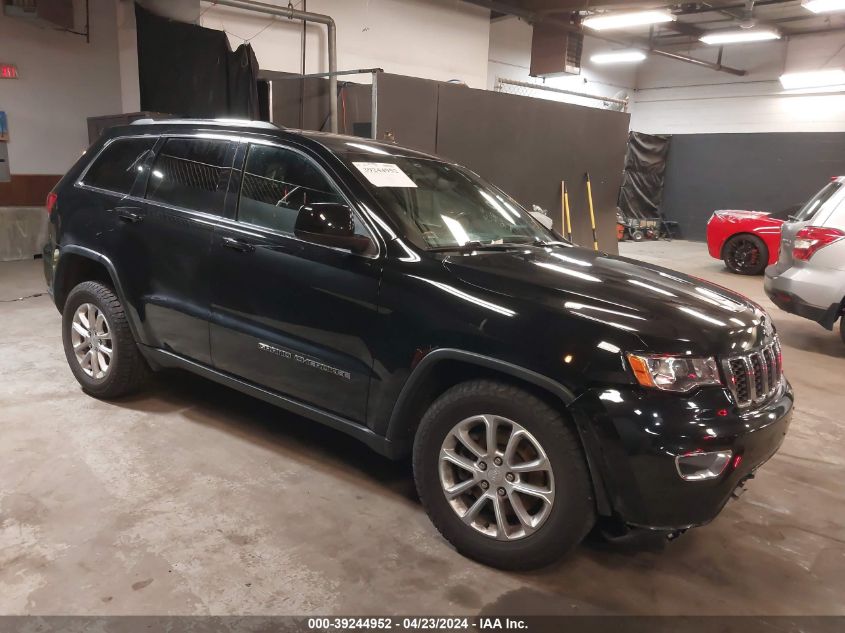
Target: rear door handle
<point>129,214</point>
<point>238,245</point>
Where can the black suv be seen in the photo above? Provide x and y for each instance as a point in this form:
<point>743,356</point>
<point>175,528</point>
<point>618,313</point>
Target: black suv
<point>402,299</point>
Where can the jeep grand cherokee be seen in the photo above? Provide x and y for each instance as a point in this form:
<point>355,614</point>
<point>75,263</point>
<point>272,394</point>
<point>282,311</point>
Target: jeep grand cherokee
<point>399,298</point>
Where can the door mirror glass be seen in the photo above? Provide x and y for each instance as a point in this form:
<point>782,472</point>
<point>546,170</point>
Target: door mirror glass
<point>330,224</point>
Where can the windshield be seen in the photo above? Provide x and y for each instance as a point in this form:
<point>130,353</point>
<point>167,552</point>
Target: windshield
<point>445,206</point>
<point>815,203</point>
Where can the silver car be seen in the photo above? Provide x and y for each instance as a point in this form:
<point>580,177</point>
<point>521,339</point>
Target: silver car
<point>809,276</point>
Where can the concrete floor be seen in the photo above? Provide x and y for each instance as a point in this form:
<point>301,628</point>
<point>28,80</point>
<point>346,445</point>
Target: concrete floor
<point>192,499</point>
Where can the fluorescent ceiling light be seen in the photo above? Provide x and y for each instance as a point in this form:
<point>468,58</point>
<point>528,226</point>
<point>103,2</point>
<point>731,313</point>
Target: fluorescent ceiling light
<point>618,57</point>
<point>824,6</point>
<point>739,36</point>
<point>624,20</point>
<point>813,79</point>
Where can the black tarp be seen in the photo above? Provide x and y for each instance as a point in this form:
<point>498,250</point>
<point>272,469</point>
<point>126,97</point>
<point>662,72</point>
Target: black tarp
<point>642,180</point>
<point>191,71</point>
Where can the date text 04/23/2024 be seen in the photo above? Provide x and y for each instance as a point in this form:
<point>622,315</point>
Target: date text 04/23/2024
<point>417,623</point>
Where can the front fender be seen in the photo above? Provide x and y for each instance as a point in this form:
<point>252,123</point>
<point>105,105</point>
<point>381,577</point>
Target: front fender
<point>398,429</point>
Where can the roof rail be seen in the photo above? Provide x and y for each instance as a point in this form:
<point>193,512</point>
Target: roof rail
<point>263,125</point>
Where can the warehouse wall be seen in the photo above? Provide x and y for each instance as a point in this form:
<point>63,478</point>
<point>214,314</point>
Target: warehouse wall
<point>677,98</point>
<point>432,39</point>
<point>764,172</point>
<point>743,142</point>
<point>62,81</point>
<point>510,57</point>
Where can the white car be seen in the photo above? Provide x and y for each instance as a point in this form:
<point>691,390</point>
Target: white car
<point>809,276</point>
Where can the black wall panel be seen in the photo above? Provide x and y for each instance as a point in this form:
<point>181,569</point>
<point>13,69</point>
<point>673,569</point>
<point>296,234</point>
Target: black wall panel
<point>524,145</point>
<point>527,146</point>
<point>407,111</point>
<point>354,102</point>
<point>766,172</point>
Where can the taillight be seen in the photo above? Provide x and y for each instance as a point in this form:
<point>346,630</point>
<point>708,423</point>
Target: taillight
<point>52,198</point>
<point>813,238</point>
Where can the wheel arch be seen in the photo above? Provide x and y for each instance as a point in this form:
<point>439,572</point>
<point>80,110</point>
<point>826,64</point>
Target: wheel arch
<point>77,264</point>
<point>443,368</point>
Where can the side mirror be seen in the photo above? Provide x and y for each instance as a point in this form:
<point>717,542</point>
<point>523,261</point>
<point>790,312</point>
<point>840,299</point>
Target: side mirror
<point>330,224</point>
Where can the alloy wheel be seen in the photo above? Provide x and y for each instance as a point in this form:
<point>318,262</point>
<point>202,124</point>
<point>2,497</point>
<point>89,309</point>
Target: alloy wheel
<point>91,340</point>
<point>745,255</point>
<point>496,477</point>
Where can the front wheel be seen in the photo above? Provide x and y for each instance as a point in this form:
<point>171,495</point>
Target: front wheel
<point>501,474</point>
<point>746,254</point>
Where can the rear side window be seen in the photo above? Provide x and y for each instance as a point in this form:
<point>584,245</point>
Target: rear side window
<point>276,183</point>
<point>191,173</point>
<point>117,165</point>
<point>809,210</point>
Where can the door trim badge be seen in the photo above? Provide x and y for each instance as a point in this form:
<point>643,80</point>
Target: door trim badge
<point>304,360</point>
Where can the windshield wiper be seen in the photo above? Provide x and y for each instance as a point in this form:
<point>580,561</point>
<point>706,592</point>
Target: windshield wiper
<point>477,246</point>
<point>491,246</point>
<point>531,242</point>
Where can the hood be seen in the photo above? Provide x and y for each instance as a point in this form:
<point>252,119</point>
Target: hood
<point>668,312</point>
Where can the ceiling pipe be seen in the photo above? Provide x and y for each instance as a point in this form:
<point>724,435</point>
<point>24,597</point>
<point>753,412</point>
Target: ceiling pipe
<point>305,16</point>
<point>502,7</point>
<point>700,62</point>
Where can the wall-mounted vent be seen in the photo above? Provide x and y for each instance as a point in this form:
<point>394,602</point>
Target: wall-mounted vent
<point>556,50</point>
<point>45,12</point>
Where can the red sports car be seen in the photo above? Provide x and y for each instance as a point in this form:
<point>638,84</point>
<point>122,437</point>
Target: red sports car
<point>748,241</point>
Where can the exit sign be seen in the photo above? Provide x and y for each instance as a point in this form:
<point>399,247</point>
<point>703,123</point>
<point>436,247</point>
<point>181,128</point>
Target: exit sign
<point>8,71</point>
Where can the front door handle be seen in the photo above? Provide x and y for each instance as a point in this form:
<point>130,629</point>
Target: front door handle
<point>129,214</point>
<point>238,245</point>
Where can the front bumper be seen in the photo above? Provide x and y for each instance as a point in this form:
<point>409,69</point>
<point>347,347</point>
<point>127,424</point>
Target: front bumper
<point>715,241</point>
<point>641,432</point>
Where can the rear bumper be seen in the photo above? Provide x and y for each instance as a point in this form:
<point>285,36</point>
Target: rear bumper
<point>47,264</point>
<point>781,290</point>
<point>642,433</point>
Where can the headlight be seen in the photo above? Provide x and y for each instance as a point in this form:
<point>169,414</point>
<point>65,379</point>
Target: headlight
<point>674,373</point>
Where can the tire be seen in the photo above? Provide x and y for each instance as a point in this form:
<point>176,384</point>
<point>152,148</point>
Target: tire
<point>125,370</point>
<point>560,525</point>
<point>745,254</point>
<point>842,327</point>
<point>637,236</point>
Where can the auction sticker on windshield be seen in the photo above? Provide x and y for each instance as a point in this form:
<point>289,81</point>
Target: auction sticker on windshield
<point>384,174</point>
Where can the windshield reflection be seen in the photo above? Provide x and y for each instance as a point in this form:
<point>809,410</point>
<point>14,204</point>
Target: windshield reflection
<point>440,205</point>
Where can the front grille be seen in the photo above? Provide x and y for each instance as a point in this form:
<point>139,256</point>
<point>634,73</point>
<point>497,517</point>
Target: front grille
<point>754,377</point>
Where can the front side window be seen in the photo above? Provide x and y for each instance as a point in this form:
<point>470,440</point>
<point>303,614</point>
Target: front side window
<point>191,173</point>
<point>277,182</point>
<point>445,206</point>
<point>118,164</point>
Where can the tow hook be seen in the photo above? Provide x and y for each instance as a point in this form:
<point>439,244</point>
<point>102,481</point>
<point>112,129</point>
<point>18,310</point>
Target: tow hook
<point>740,487</point>
<point>674,535</point>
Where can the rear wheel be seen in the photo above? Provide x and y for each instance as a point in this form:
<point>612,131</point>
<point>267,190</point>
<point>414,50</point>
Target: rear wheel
<point>98,343</point>
<point>501,475</point>
<point>746,254</point>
